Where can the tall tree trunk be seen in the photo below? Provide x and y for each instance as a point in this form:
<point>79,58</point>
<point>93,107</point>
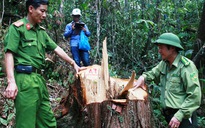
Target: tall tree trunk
<point>98,14</point>
<point>201,30</point>
<point>199,55</point>
<point>199,58</point>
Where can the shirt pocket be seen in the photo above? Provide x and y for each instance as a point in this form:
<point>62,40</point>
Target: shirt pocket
<point>29,43</point>
<point>29,46</point>
<point>175,84</point>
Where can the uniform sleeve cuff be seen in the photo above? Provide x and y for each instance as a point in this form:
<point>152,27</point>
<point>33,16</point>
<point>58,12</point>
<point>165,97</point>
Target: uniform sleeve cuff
<point>179,115</point>
<point>6,50</point>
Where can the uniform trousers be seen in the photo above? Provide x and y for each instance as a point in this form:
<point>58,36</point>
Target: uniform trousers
<point>33,109</point>
<point>185,123</point>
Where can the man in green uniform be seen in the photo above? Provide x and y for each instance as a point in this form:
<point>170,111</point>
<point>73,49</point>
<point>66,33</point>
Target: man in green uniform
<point>25,45</point>
<point>178,77</point>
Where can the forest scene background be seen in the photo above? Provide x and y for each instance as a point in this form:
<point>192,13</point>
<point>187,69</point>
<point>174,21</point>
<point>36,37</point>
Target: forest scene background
<point>130,27</point>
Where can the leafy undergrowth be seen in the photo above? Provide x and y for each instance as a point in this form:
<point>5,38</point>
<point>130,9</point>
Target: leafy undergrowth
<point>7,111</point>
<point>57,91</point>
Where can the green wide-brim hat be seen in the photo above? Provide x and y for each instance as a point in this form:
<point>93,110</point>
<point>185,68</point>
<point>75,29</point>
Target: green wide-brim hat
<point>169,39</point>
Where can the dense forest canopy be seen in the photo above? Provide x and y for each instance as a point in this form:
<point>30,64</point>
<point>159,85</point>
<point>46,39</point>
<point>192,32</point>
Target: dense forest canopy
<point>129,25</point>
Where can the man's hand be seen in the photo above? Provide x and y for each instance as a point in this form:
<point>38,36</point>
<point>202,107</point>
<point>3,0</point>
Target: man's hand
<point>83,28</point>
<point>11,91</point>
<point>140,83</point>
<point>174,123</point>
<point>77,68</point>
<point>73,26</point>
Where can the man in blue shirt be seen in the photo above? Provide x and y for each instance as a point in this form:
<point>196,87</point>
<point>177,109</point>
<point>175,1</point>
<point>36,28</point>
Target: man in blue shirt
<point>73,32</point>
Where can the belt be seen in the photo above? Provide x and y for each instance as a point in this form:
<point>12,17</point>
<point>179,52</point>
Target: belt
<point>28,69</point>
<point>169,111</point>
<point>39,71</point>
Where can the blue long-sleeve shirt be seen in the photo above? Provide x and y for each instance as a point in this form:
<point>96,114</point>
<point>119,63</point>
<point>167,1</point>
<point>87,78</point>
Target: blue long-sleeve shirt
<point>74,38</point>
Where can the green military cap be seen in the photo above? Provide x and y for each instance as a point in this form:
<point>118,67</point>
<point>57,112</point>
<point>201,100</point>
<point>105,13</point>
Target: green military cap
<point>169,39</point>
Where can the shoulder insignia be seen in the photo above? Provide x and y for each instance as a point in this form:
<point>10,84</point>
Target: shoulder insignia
<point>193,76</point>
<point>18,23</point>
<point>185,61</point>
<point>42,28</point>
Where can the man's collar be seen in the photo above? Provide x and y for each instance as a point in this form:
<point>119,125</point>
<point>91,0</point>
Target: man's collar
<point>176,61</point>
<point>29,26</point>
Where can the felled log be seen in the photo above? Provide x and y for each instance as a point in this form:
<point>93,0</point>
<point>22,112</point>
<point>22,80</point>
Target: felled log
<point>101,101</point>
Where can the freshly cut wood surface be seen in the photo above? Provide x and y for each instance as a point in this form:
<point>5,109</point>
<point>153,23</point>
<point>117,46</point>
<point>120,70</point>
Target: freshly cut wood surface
<point>107,102</point>
<point>94,89</point>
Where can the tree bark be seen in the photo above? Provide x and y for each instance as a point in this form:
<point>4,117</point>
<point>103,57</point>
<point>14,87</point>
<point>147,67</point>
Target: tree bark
<point>135,114</point>
<point>198,55</point>
<point>2,16</point>
<point>98,15</point>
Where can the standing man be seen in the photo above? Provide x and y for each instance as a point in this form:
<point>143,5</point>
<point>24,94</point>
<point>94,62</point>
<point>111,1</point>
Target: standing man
<point>72,31</point>
<point>25,45</point>
<point>178,77</point>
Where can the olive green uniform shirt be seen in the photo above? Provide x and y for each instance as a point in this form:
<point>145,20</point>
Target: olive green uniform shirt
<point>28,43</point>
<point>180,85</point>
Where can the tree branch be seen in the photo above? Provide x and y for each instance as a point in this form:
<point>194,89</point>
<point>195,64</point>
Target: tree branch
<point>2,15</point>
<point>12,15</point>
<point>199,55</point>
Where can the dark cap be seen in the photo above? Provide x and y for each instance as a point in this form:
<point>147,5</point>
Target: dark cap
<point>37,1</point>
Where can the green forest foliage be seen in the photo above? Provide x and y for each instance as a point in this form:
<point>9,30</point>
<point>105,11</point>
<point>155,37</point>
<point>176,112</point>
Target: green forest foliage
<point>130,27</point>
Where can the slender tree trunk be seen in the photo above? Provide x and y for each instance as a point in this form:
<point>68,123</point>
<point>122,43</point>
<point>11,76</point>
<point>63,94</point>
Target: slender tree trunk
<point>98,14</point>
<point>199,55</point>
<point>2,16</point>
<point>199,58</point>
<point>61,7</point>
<point>201,30</point>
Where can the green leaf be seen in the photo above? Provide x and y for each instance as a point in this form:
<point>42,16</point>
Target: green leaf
<point>11,115</point>
<point>188,53</point>
<point>3,121</point>
<point>146,22</point>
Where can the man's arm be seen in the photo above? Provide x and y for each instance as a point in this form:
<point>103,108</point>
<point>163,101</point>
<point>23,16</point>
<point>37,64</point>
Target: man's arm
<point>68,30</point>
<point>192,86</point>
<point>59,51</point>
<point>11,90</point>
<point>152,75</point>
<point>192,101</point>
<point>86,30</point>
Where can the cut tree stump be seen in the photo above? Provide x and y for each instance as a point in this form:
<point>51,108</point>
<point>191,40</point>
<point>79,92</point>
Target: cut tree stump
<point>100,101</point>
<point>135,114</point>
